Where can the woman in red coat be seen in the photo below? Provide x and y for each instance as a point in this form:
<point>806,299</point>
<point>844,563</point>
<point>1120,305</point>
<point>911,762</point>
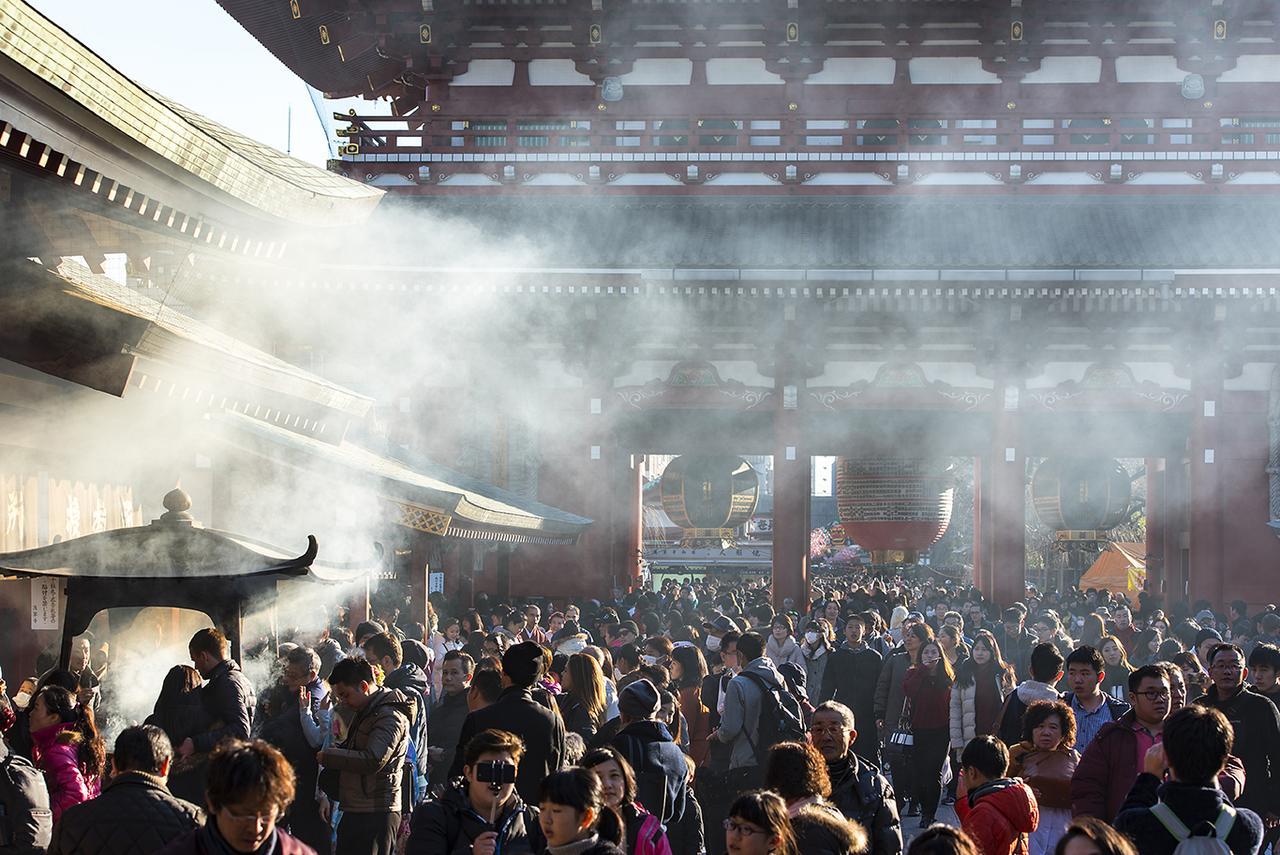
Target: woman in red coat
<point>928,687</point>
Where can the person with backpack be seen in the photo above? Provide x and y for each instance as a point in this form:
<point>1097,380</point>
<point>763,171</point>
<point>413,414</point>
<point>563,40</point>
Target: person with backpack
<point>477,816</point>
<point>660,768</point>
<point>758,713</point>
<point>26,819</point>
<point>1188,814</point>
<point>386,651</point>
<point>1046,671</point>
<point>643,831</point>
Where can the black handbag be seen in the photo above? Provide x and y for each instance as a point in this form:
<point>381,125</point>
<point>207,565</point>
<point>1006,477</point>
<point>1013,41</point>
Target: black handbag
<point>902,741</point>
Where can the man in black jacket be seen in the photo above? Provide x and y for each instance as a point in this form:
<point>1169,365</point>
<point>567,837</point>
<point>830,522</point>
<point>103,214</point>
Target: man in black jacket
<point>1016,641</point>
<point>227,696</point>
<point>850,679</point>
<point>1256,723</point>
<point>858,789</point>
<point>135,814</point>
<point>448,715</point>
<point>517,712</point>
<point>1196,742</point>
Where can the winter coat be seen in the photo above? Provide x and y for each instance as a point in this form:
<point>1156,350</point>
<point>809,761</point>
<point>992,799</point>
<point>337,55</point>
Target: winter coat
<point>661,772</point>
<point>596,847</point>
<point>443,727</point>
<point>1015,706</point>
<point>135,815</point>
<point>698,718</point>
<point>930,696</point>
<point>644,834</point>
<point>1047,773</point>
<point>58,757</point>
<point>414,684</point>
<point>787,651</point>
<point>195,843</point>
<point>449,825</point>
<point>820,829</point>
<point>851,677</point>
<point>228,701</point>
<point>180,716</point>
<point>1016,649</point>
<point>27,820</point>
<point>863,794</point>
<point>997,814</point>
<point>541,729</point>
<point>815,670</point>
<point>371,759</point>
<point>1257,727</point>
<point>889,694</point>
<point>964,715</point>
<point>740,722</point>
<point>576,718</point>
<point>1193,805</point>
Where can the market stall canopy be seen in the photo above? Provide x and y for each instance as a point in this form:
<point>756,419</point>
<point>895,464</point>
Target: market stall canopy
<point>173,562</point>
<point>422,495</point>
<point>1120,569</point>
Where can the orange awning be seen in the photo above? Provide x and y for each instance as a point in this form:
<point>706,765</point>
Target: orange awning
<point>1120,569</point>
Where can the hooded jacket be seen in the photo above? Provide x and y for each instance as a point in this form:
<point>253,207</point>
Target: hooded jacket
<point>997,814</point>
<point>863,794</point>
<point>413,683</point>
<point>660,768</point>
<point>820,829</point>
<point>135,815</point>
<point>740,722</point>
<point>449,825</point>
<point>1257,727</point>
<point>1015,705</point>
<point>1193,805</point>
<point>371,758</point>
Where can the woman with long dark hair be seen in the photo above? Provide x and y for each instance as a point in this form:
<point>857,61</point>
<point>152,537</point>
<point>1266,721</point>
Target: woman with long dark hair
<point>982,681</point>
<point>758,825</point>
<point>180,714</point>
<point>644,833</point>
<point>574,816</point>
<point>891,706</point>
<point>66,748</point>
<point>688,670</point>
<point>928,687</point>
<point>1116,665</point>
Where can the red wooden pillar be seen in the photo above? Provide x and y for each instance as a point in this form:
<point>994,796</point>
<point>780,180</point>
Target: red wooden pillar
<point>1176,536</point>
<point>1205,496</point>
<point>631,514</point>
<point>1005,492</point>
<point>791,489</point>
<point>1157,517</point>
<point>981,568</point>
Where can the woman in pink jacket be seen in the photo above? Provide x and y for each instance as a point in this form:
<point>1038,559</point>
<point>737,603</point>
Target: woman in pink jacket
<point>66,747</point>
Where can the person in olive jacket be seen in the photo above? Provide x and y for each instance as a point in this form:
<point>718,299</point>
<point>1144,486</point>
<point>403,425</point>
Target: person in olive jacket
<point>135,814</point>
<point>371,760</point>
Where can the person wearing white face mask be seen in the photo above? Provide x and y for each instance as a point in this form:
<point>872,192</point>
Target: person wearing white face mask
<point>818,642</point>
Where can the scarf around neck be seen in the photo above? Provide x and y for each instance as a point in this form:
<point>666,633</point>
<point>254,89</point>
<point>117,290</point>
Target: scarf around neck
<point>577,847</point>
<point>213,843</point>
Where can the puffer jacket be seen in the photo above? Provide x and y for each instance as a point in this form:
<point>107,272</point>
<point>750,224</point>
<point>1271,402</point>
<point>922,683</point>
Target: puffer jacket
<point>964,716</point>
<point>135,815</point>
<point>58,757</point>
<point>449,825</point>
<point>863,794</point>
<point>787,651</point>
<point>372,757</point>
<point>998,814</point>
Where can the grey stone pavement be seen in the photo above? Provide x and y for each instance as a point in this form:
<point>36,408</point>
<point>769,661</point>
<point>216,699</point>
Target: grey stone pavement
<point>911,824</point>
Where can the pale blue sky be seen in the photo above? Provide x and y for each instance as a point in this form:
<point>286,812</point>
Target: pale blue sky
<point>196,54</point>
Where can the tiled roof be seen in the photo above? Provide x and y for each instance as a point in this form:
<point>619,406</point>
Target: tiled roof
<point>980,232</point>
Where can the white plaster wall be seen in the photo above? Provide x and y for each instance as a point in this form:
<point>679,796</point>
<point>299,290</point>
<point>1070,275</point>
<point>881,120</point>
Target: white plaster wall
<point>1253,68</point>
<point>1148,69</point>
<point>1067,69</point>
<point>729,71</point>
<point>950,70</point>
<point>1256,377</point>
<point>846,71</point>
<point>487,72</point>
<point>556,72</point>
<point>659,72</point>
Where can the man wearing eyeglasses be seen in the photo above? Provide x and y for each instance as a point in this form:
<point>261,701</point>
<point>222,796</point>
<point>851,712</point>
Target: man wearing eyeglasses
<point>1115,757</point>
<point>858,789</point>
<point>1257,730</point>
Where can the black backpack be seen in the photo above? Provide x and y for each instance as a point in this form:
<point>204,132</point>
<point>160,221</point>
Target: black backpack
<point>26,821</point>
<point>781,718</point>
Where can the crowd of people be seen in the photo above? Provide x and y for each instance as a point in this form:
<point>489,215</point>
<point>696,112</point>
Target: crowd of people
<point>687,720</point>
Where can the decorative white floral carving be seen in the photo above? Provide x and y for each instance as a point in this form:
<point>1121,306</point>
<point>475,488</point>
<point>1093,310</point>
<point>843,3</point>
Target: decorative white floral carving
<point>17,515</point>
<point>73,516</point>
<point>99,519</point>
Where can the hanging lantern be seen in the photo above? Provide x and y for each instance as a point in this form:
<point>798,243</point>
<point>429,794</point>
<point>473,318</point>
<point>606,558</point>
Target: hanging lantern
<point>894,508</point>
<point>1081,495</point>
<point>709,495</point>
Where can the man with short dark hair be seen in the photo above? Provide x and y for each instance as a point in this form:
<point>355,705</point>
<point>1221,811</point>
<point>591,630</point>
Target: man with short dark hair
<point>371,760</point>
<point>850,679</point>
<point>1264,668</point>
<point>386,651</point>
<point>1112,761</point>
<point>1091,706</point>
<point>517,712</point>
<point>858,789</point>
<point>135,814</point>
<point>1016,642</point>
<point>994,810</point>
<point>1157,816</point>
<point>1256,723</point>
<point>1045,670</point>
<point>227,695</point>
<point>448,714</point>
<point>486,686</point>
